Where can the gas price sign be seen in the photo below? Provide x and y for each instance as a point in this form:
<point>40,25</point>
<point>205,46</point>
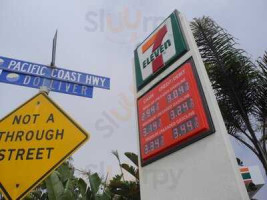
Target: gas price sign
<point>173,114</point>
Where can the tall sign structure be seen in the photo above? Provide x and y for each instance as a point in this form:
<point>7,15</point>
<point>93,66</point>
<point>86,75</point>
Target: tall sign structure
<point>185,150</point>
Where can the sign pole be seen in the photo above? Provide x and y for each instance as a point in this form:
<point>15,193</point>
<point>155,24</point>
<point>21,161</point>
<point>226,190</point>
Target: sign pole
<point>45,88</point>
<point>54,48</point>
<point>39,134</point>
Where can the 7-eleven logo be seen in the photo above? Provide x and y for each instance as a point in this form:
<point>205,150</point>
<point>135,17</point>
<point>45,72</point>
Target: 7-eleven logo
<point>156,50</point>
<point>155,41</point>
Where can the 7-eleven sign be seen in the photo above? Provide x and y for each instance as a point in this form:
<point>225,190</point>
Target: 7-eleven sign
<point>159,50</point>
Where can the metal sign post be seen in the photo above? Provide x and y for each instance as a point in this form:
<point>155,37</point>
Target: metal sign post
<point>38,136</point>
<point>45,88</point>
<point>50,78</point>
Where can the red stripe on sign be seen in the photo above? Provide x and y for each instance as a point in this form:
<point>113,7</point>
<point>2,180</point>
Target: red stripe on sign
<point>158,62</point>
<point>247,181</point>
<point>244,169</point>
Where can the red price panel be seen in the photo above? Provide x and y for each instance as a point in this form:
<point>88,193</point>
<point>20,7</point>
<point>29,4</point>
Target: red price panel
<point>173,114</point>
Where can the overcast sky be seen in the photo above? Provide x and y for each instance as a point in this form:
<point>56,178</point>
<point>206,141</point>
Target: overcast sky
<point>98,37</point>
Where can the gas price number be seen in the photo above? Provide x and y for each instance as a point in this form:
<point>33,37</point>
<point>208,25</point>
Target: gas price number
<point>181,108</point>
<point>185,127</point>
<point>150,111</point>
<point>177,92</point>
<point>154,144</point>
<point>151,127</point>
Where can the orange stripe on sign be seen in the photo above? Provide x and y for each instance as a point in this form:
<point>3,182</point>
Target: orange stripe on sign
<point>244,169</point>
<point>149,43</point>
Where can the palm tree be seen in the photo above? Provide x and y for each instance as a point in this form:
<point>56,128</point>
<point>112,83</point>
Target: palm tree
<point>261,103</point>
<point>239,85</point>
<point>123,189</point>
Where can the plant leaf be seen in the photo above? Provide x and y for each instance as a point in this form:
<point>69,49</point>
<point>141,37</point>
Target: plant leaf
<point>54,186</point>
<point>132,156</point>
<point>95,182</point>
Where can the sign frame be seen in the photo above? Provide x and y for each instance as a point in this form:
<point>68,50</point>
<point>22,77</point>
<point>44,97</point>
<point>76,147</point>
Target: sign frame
<point>53,73</point>
<point>70,88</point>
<point>190,140</point>
<point>47,173</point>
<point>180,45</point>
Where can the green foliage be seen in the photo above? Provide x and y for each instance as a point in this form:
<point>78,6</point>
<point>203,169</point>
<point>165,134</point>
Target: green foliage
<point>62,184</point>
<point>54,186</point>
<point>95,182</point>
<point>96,190</point>
<point>251,187</point>
<point>261,103</point>
<point>116,154</point>
<point>123,189</point>
<point>239,85</point>
<point>133,157</point>
<point>232,74</point>
<point>38,193</point>
<point>82,185</point>
<point>131,169</point>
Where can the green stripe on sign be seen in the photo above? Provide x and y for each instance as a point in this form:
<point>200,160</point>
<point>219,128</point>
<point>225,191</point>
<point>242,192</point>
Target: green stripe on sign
<point>246,176</point>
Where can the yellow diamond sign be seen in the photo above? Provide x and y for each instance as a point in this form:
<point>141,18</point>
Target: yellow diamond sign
<point>34,140</point>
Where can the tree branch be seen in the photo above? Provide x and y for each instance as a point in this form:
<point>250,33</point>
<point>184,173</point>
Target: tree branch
<point>264,135</point>
<point>246,144</point>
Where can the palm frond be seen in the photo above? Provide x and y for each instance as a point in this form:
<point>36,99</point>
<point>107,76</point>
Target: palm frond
<point>133,157</point>
<point>231,72</point>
